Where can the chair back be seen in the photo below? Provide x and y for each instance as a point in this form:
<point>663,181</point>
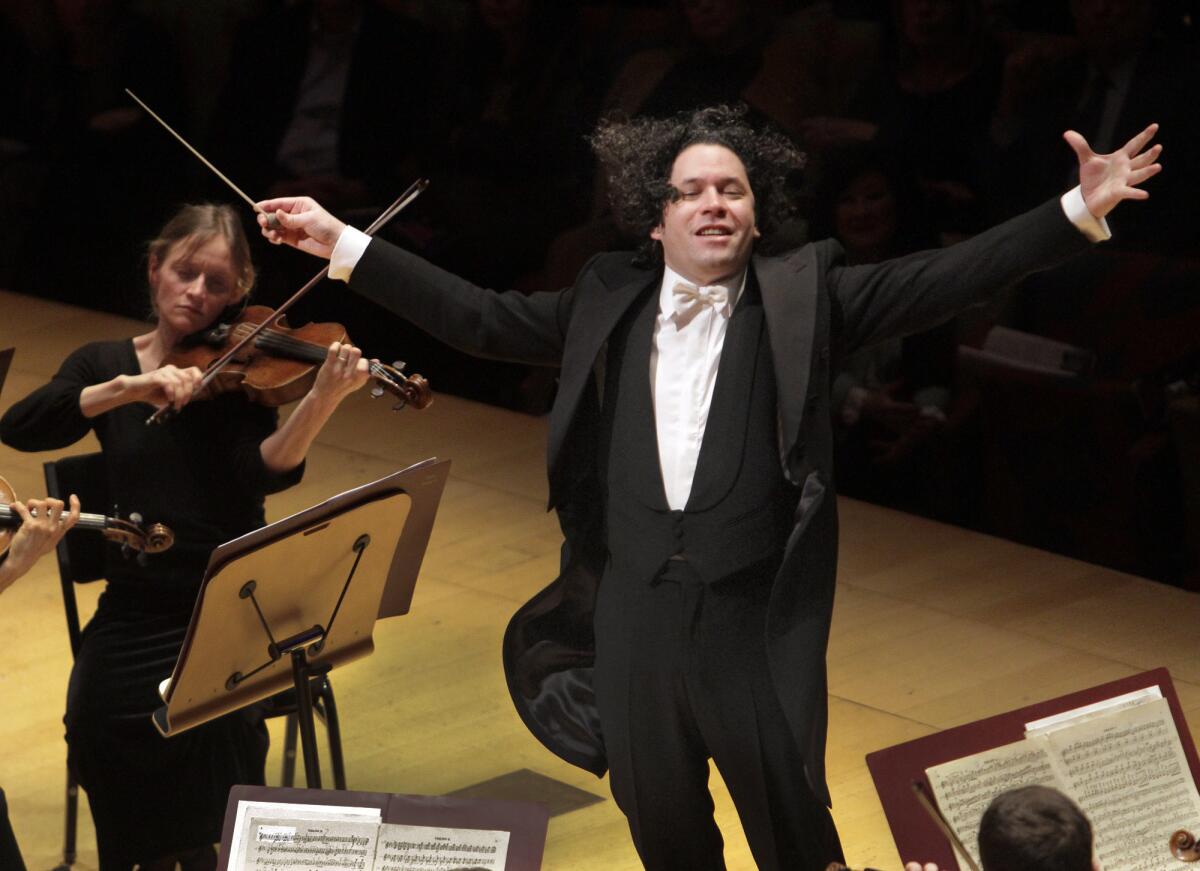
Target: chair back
<point>80,557</point>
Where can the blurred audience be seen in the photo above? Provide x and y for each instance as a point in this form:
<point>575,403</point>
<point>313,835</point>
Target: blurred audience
<point>97,150</point>
<point>1119,70</point>
<point>325,98</point>
<point>924,120</point>
<point>508,155</point>
<point>895,412</point>
<point>930,99</point>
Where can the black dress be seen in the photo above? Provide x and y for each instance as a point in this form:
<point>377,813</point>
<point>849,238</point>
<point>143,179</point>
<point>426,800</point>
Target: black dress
<point>201,474</point>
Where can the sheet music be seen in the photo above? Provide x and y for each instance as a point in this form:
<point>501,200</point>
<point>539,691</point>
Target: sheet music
<point>1088,712</point>
<point>964,787</point>
<point>425,848</point>
<point>247,810</point>
<point>309,845</point>
<point>1128,773</point>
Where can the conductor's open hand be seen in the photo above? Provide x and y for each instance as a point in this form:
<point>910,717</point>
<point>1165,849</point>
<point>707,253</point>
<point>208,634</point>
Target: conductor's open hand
<point>1106,179</point>
<point>302,223</point>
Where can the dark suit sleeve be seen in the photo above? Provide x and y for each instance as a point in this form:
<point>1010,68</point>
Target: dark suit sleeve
<point>902,296</point>
<point>507,326</point>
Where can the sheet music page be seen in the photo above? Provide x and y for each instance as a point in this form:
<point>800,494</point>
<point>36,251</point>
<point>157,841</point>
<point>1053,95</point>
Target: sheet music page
<point>309,845</point>
<point>1128,773</point>
<point>426,848</point>
<point>1097,709</point>
<point>964,787</point>
<point>247,810</point>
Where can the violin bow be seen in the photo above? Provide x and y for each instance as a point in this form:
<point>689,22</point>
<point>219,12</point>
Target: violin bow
<point>401,202</point>
<point>414,190</point>
<point>930,808</point>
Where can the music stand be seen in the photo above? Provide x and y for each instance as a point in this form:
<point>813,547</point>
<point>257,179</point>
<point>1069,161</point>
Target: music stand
<point>277,606</point>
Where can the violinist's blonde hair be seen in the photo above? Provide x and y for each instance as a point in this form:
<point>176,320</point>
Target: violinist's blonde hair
<point>195,225</point>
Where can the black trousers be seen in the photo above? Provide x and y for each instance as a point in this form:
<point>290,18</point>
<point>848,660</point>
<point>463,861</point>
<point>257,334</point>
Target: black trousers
<point>681,676</point>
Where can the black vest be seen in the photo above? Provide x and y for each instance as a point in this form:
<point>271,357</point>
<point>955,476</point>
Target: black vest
<point>740,508</point>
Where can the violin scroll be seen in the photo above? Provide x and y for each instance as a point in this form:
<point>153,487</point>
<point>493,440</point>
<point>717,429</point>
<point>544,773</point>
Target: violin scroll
<point>134,535</point>
<point>411,390</point>
<point>1184,846</point>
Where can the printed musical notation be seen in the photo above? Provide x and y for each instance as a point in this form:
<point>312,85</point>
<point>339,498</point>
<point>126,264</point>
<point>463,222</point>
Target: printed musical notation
<point>272,844</point>
<point>1126,769</point>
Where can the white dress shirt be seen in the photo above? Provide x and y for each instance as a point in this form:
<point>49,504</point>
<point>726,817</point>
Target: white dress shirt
<point>684,358</point>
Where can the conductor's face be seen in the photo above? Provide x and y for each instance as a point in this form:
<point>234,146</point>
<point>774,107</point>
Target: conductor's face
<point>708,232</point>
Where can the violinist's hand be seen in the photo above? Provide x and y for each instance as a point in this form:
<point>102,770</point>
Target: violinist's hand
<point>162,387</point>
<point>42,525</point>
<point>917,866</point>
<point>1106,179</point>
<point>343,372</point>
<point>302,223</point>
<point>167,385</point>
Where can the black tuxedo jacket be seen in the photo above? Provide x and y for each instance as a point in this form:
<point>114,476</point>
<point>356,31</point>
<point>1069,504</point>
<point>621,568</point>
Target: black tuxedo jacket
<point>816,309</point>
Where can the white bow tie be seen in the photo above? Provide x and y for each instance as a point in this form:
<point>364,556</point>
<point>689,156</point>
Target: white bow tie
<point>689,299</point>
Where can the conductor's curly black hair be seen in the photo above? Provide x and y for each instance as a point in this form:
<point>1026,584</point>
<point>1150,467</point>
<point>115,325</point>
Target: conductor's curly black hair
<point>638,155</point>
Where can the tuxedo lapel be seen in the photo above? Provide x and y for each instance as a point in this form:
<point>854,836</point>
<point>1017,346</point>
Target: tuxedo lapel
<point>718,464</point>
<point>789,307</point>
<point>598,308</point>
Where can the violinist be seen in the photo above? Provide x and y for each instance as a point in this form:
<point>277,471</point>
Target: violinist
<point>1032,828</point>
<point>43,523</point>
<point>204,472</point>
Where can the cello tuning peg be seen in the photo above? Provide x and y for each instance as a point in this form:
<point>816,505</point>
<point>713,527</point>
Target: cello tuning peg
<point>376,390</point>
<point>135,518</point>
<point>399,365</point>
<point>141,558</point>
<point>399,405</point>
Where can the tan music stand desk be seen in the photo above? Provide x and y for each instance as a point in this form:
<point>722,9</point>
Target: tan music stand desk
<point>294,599</point>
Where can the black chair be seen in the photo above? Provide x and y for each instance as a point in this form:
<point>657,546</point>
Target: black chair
<point>81,560</point>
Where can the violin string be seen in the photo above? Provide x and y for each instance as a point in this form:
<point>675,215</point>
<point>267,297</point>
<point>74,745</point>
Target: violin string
<point>88,521</point>
<point>273,340</point>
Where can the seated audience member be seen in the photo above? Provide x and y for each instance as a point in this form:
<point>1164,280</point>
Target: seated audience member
<point>1032,828</point>
<point>931,101</point>
<point>892,401</point>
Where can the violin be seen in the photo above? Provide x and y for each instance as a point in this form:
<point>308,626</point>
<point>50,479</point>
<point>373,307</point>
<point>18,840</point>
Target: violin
<point>280,364</point>
<point>131,534</point>
<point>414,389</point>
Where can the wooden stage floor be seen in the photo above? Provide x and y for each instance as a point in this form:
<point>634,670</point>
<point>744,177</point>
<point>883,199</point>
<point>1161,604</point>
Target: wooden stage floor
<point>934,626</point>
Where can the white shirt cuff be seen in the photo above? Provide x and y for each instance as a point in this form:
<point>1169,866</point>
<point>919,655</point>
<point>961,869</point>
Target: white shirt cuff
<point>347,252</point>
<point>1077,213</point>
